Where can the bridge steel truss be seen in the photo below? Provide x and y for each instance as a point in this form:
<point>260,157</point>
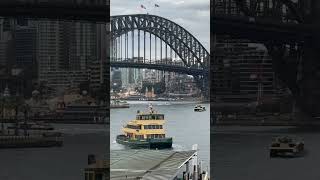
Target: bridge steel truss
<point>263,20</point>
<point>67,10</point>
<point>194,56</point>
<point>184,44</point>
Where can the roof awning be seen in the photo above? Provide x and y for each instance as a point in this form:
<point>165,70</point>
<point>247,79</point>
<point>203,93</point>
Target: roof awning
<point>147,164</point>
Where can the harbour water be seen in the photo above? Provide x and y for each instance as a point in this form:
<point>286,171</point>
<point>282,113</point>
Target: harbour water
<point>182,123</point>
<point>63,163</point>
<point>241,153</point>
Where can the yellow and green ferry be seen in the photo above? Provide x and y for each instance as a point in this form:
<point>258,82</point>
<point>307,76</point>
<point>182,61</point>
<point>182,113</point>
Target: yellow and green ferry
<point>146,131</point>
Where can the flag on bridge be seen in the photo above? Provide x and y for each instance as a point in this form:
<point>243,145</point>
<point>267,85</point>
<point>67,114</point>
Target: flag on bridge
<point>143,7</point>
<point>156,5</point>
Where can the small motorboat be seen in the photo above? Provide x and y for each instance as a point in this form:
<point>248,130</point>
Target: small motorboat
<point>286,146</point>
<point>199,108</point>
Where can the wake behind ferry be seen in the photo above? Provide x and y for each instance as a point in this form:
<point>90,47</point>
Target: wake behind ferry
<point>146,131</point>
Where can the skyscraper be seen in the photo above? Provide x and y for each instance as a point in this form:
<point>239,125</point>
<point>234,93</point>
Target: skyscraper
<point>70,47</point>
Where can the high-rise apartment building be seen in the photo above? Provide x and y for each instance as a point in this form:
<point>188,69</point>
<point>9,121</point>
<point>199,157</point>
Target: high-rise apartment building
<point>25,46</point>
<point>241,69</point>
<point>70,47</point>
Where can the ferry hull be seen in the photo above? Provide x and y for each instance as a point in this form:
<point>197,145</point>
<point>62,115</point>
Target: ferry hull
<point>164,143</point>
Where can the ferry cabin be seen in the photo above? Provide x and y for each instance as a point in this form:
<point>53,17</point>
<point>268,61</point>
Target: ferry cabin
<point>146,126</point>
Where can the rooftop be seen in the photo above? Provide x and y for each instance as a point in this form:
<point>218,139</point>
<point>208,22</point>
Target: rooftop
<point>147,164</point>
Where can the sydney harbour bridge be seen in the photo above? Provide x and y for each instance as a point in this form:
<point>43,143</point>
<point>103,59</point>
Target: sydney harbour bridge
<point>153,42</point>
<point>289,29</point>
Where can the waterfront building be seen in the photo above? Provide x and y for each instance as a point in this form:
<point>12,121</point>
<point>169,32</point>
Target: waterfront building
<point>150,94</point>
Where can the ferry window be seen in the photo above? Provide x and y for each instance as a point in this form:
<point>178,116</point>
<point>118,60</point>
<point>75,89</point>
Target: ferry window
<point>161,127</point>
<point>145,127</point>
<point>139,137</point>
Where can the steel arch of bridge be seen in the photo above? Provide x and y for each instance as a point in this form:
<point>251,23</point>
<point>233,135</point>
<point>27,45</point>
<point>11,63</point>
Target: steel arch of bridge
<point>254,8</point>
<point>185,45</point>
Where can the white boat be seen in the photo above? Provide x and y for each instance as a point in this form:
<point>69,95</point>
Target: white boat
<point>199,108</point>
<point>119,104</point>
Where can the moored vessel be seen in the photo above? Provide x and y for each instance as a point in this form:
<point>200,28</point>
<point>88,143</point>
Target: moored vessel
<point>31,141</point>
<point>146,131</point>
<point>31,126</point>
<point>119,104</point>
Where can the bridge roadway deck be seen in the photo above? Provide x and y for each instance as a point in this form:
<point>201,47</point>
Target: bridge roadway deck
<point>261,29</point>
<point>162,67</point>
<point>64,11</point>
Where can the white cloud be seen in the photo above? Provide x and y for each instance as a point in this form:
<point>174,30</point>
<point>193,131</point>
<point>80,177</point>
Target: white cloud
<point>178,2</point>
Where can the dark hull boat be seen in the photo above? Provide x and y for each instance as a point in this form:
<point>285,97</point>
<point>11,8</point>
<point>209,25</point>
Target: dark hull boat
<point>163,143</point>
<point>31,126</point>
<point>32,141</point>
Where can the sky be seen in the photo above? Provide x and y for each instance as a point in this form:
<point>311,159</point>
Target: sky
<point>193,15</point>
